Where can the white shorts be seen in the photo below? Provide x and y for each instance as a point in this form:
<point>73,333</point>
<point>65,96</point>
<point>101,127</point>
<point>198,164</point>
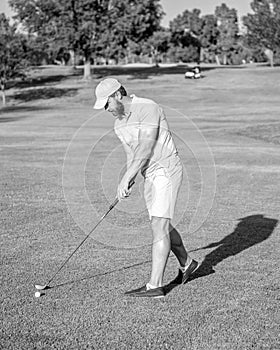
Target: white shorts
<point>161,192</point>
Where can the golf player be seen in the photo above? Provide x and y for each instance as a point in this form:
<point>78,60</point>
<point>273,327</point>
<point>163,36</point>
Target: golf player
<point>141,126</point>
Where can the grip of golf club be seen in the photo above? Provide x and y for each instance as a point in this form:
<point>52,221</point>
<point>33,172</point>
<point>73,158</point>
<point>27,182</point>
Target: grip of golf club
<point>116,201</point>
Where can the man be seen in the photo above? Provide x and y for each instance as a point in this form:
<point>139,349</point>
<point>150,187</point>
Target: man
<point>142,128</point>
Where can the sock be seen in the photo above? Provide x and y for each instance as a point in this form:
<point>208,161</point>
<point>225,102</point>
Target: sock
<point>150,286</point>
<point>188,262</point>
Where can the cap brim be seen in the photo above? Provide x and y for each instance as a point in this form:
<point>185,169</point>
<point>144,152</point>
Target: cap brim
<point>100,103</point>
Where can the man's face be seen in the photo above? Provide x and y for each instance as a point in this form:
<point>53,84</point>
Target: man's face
<point>115,106</point>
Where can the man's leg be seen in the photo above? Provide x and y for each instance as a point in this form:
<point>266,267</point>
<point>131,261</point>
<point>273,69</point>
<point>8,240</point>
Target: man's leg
<point>187,264</point>
<point>160,249</point>
<point>178,248</point>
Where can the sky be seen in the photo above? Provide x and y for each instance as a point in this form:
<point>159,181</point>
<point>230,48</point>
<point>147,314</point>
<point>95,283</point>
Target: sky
<point>4,7</point>
<point>172,8</point>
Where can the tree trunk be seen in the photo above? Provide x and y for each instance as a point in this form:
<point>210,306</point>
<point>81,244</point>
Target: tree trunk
<point>2,87</point>
<point>269,55</point>
<point>72,58</point>
<point>225,59</point>
<point>217,60</point>
<point>3,98</point>
<point>87,75</point>
<point>201,54</point>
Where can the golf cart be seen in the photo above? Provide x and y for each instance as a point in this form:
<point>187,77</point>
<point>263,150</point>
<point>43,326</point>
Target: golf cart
<point>193,73</point>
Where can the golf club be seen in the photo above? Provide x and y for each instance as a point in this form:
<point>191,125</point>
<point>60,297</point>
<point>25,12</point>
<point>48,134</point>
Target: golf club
<point>46,286</point>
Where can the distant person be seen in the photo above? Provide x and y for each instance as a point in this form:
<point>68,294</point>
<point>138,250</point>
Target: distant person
<point>142,128</point>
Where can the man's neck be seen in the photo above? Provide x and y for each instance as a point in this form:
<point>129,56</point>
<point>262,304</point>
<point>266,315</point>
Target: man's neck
<point>127,103</point>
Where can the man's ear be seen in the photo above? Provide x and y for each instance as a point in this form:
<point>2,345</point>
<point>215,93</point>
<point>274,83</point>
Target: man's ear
<point>118,95</point>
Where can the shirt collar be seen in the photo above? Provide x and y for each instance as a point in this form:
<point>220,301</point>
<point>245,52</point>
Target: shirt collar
<point>128,114</point>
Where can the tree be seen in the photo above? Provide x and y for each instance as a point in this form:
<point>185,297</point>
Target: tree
<point>157,45</point>
<point>263,27</point>
<point>13,53</point>
<point>209,37</point>
<point>227,21</point>
<point>127,25</point>
<point>189,20</point>
<point>89,27</point>
<point>72,24</point>
<point>185,31</point>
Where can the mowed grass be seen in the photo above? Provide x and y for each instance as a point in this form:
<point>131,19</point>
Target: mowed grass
<point>60,166</point>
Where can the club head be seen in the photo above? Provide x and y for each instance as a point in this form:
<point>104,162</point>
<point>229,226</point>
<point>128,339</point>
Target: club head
<point>40,287</point>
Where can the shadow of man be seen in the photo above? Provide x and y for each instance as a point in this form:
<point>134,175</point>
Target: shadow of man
<point>249,231</point>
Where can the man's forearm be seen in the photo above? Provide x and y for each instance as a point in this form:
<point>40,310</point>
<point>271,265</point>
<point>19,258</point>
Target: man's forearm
<point>134,167</point>
<point>129,161</point>
<point>139,159</point>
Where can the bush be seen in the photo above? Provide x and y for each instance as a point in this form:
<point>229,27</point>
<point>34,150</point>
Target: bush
<point>183,54</point>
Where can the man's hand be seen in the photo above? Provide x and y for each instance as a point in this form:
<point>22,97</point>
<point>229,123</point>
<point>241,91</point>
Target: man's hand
<point>124,189</point>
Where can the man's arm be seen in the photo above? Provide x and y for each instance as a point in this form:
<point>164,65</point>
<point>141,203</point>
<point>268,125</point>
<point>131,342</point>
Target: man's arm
<point>128,151</point>
<point>129,154</point>
<point>146,141</point>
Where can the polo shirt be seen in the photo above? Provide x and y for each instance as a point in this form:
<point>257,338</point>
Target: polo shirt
<point>145,113</point>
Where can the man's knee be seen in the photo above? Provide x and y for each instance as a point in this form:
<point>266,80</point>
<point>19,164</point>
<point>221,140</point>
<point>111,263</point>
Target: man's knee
<point>160,226</point>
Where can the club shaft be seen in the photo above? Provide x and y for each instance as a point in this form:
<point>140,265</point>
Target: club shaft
<point>83,241</point>
<point>116,201</point>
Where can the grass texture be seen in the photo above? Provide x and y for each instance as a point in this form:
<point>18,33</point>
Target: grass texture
<point>60,165</point>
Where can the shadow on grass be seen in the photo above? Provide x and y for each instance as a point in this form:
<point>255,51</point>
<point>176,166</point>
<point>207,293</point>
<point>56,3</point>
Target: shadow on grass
<point>100,274</point>
<point>10,110</point>
<point>249,231</point>
<point>53,75</point>
<point>38,81</point>
<point>143,72</point>
<point>146,72</point>
<point>44,93</point>
<point>50,75</point>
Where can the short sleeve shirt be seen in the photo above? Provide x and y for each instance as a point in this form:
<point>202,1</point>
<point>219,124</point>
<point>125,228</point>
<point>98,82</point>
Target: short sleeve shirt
<point>145,113</point>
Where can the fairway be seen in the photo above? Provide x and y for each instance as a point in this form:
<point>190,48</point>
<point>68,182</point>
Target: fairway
<point>60,167</point>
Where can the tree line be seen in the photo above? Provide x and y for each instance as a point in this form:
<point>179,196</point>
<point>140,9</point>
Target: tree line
<point>128,31</point>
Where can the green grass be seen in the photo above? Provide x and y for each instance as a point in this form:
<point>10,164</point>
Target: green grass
<point>45,218</point>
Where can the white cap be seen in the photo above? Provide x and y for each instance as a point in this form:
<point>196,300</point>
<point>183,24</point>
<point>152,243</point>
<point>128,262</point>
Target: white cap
<point>105,89</point>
